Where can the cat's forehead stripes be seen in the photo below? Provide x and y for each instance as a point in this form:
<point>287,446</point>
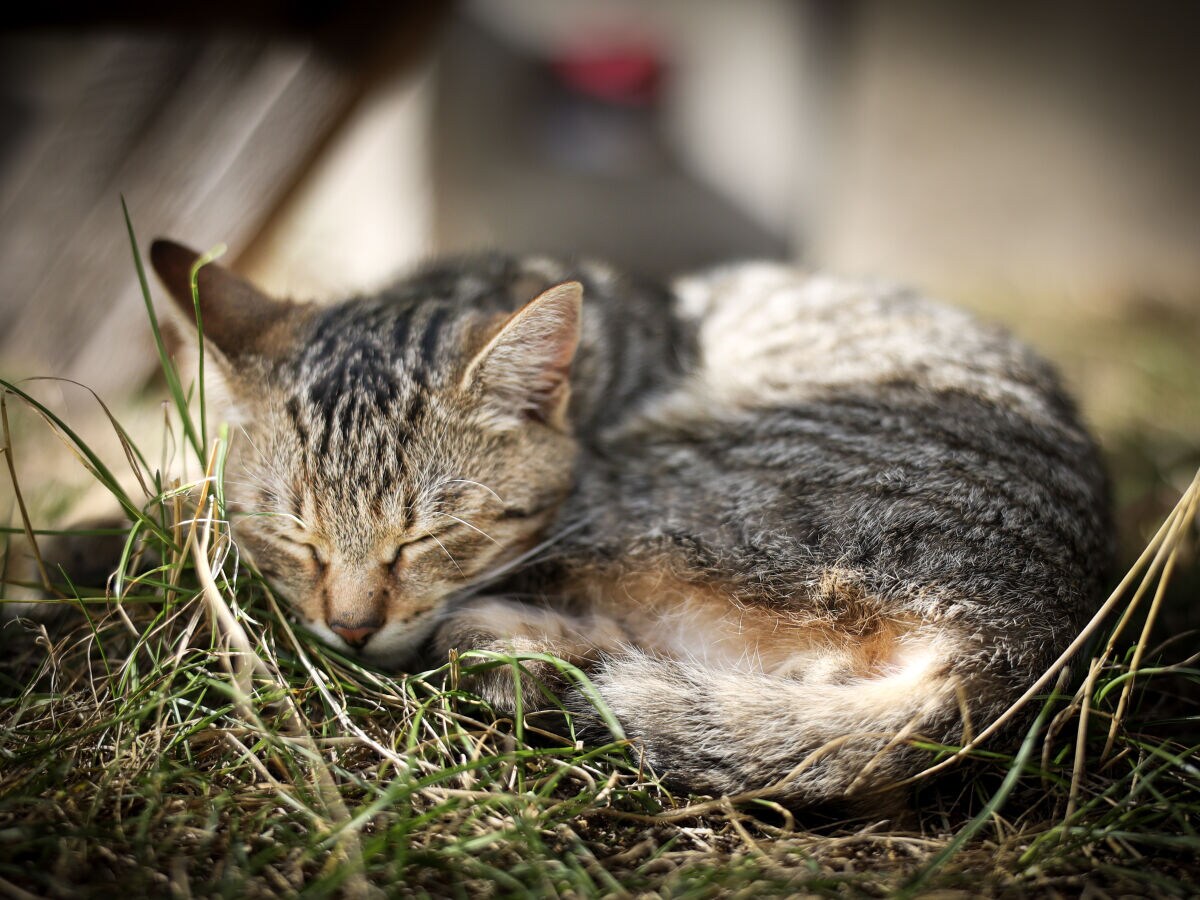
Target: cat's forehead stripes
<point>359,388</point>
<point>370,355</point>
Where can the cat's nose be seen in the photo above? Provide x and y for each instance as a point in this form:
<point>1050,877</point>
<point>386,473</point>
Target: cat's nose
<point>354,633</point>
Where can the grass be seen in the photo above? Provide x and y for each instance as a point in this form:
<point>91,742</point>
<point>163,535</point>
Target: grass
<point>172,733</point>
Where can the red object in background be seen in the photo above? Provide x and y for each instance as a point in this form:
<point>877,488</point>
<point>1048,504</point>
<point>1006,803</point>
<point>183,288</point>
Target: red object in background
<point>628,75</point>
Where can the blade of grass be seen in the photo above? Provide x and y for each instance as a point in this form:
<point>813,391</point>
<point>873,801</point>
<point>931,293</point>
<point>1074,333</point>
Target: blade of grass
<point>168,367</point>
<point>1189,517</point>
<point>991,808</point>
<point>137,462</point>
<point>16,486</point>
<point>90,461</point>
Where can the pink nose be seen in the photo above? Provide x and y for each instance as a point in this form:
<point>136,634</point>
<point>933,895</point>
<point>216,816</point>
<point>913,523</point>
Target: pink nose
<point>355,634</point>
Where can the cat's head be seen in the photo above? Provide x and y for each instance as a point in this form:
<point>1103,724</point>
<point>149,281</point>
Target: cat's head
<point>387,454</point>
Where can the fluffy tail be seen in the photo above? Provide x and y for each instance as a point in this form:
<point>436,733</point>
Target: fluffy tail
<point>810,739</point>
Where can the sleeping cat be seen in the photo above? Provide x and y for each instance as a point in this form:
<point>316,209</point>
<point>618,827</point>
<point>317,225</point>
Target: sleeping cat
<point>765,510</point>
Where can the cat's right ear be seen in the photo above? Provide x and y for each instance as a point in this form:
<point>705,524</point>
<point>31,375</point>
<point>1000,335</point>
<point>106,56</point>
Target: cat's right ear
<point>237,318</point>
<point>523,372</point>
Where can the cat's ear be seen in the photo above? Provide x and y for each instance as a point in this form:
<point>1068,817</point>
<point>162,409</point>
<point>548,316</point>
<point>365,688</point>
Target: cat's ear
<point>522,372</point>
<point>237,318</point>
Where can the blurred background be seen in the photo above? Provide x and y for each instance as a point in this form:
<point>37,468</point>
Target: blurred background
<point>1036,161</point>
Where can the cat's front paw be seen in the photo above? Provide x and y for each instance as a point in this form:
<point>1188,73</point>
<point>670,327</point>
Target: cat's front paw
<point>505,635</point>
<point>499,683</point>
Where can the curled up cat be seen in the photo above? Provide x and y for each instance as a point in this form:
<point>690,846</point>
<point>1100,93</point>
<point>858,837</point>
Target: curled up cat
<point>766,511</point>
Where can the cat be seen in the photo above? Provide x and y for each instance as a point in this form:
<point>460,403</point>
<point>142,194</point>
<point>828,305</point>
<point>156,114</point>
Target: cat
<point>766,510</point>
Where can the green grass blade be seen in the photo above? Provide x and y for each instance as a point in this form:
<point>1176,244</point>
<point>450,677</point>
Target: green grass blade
<point>168,367</point>
<point>93,463</point>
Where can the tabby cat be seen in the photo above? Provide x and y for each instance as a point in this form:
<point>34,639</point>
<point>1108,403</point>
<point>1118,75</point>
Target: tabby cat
<point>766,510</point>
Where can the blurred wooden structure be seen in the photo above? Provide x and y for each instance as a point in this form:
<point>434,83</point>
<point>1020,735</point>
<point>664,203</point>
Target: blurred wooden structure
<point>1037,150</point>
<point>205,135</point>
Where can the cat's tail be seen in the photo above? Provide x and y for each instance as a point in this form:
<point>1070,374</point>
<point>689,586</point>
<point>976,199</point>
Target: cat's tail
<point>812,738</point>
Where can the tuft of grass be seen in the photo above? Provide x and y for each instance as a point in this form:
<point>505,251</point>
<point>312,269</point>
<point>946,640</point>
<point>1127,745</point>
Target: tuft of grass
<point>170,731</point>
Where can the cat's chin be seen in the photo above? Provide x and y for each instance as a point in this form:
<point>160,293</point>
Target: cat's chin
<point>402,652</point>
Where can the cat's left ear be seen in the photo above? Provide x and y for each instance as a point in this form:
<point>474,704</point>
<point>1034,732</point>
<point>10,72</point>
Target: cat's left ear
<point>523,371</point>
<point>238,319</point>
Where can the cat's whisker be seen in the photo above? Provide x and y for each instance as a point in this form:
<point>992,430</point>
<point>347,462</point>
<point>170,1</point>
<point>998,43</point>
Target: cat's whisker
<point>477,484</point>
<point>269,466</point>
<point>532,553</point>
<point>253,446</point>
<point>433,538</point>
<point>257,484</point>
<point>273,514</point>
<point>473,528</point>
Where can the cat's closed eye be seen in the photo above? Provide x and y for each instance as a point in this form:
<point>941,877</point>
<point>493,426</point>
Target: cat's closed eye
<point>315,555</point>
<point>408,547</point>
<point>516,512</point>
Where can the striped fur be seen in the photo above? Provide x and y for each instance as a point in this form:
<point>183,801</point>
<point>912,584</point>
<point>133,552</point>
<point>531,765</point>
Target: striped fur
<point>784,520</point>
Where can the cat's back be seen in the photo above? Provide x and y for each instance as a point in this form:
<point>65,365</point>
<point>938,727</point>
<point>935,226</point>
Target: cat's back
<point>770,334</point>
<point>833,424</point>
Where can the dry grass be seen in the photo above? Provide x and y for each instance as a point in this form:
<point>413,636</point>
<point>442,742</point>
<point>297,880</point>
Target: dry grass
<point>171,733</point>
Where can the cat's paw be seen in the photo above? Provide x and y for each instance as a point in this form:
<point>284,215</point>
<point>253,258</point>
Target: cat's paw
<point>537,682</point>
<point>495,638</point>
